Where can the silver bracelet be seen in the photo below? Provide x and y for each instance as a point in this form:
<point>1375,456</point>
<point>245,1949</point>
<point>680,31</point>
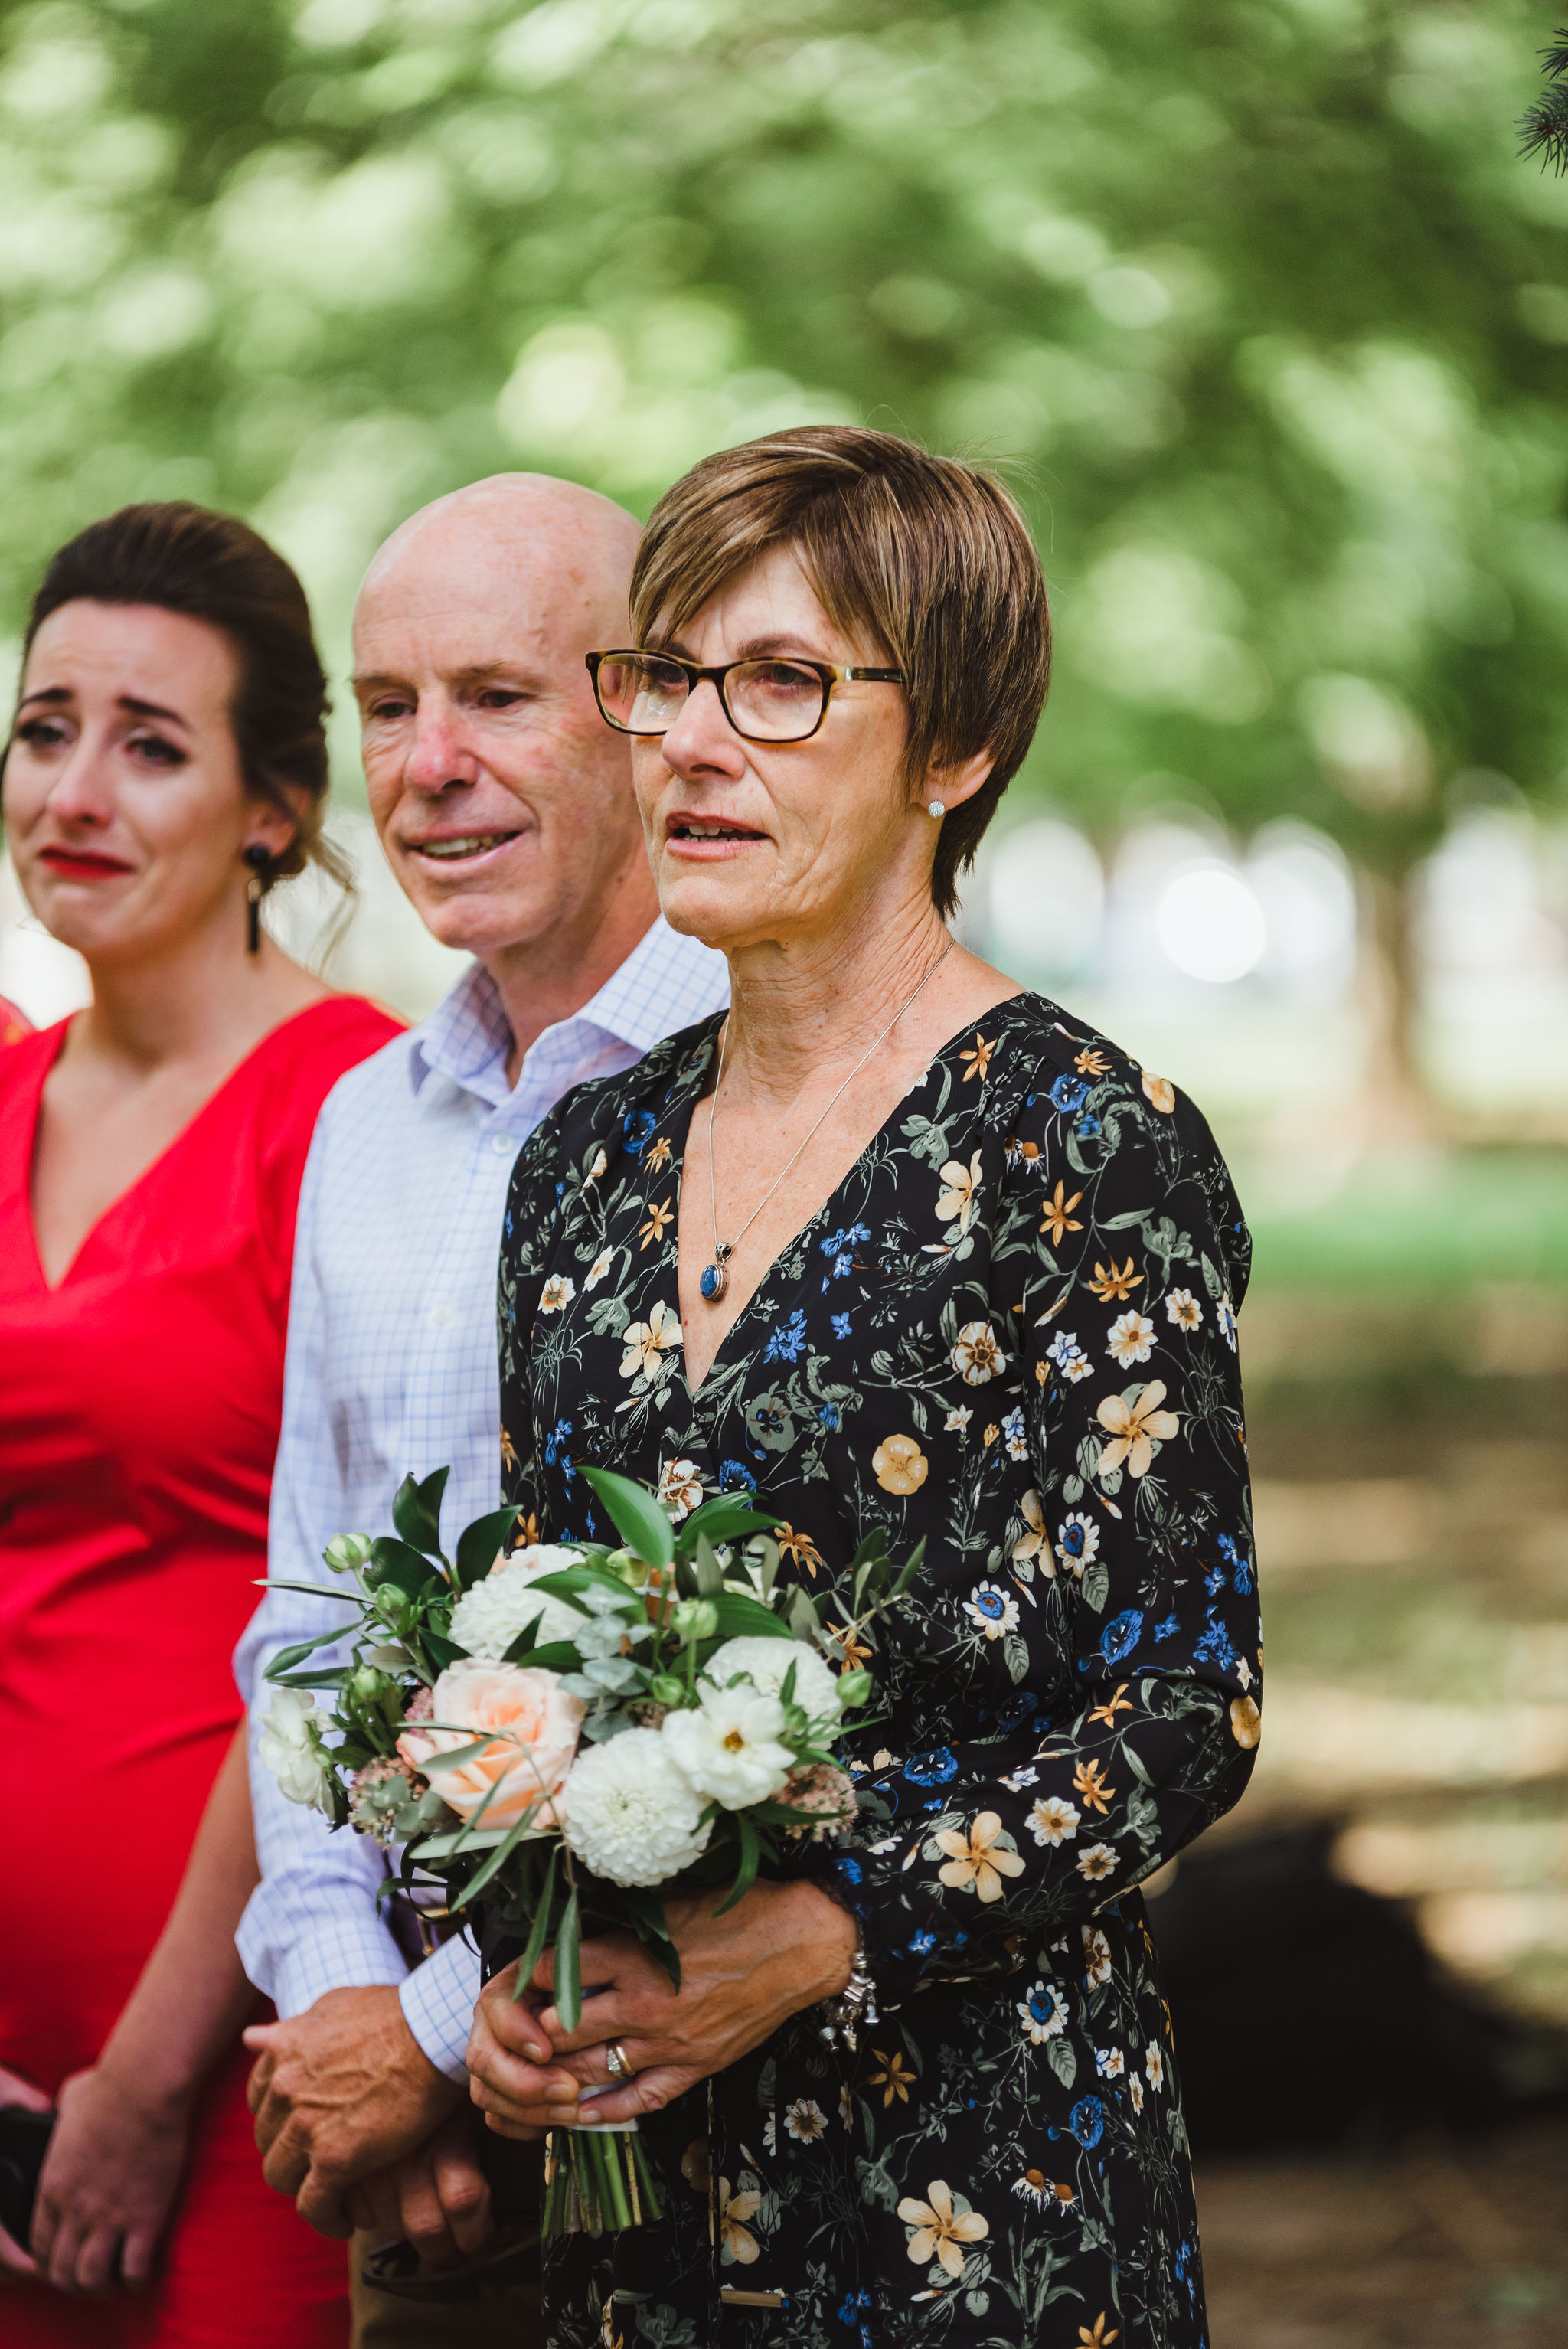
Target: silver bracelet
<point>841,2017</point>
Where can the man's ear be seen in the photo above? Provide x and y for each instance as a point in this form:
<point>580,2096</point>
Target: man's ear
<point>955,784</point>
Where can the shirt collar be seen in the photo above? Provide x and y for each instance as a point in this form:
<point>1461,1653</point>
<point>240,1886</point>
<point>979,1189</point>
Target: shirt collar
<point>467,1038</point>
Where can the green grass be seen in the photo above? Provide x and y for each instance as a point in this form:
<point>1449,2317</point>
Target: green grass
<point>1495,1216</point>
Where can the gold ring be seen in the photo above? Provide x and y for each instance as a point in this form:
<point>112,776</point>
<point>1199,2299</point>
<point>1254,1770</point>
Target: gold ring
<point>620,2067</point>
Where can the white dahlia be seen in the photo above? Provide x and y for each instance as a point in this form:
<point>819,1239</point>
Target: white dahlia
<point>728,1746</point>
<point>765,1664</point>
<point>489,1617</point>
<point>631,1816</point>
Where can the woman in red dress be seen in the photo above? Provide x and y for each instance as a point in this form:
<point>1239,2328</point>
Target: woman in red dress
<point>167,763</point>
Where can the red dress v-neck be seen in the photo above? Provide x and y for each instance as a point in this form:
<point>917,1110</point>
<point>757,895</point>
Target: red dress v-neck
<point>139,1403</point>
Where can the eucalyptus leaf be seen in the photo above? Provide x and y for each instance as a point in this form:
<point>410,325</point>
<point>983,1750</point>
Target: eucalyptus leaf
<point>568,1966</point>
<point>540,1927</point>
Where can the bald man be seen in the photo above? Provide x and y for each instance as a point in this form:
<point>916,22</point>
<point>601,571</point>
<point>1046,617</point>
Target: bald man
<point>504,806</point>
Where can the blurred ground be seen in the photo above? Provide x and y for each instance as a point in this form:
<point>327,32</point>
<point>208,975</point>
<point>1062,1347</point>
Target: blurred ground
<point>1407,1359</point>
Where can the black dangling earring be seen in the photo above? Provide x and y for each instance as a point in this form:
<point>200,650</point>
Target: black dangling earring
<point>259,859</point>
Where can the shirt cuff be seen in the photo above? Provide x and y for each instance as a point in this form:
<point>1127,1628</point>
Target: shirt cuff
<point>294,1955</point>
<point>439,1999</point>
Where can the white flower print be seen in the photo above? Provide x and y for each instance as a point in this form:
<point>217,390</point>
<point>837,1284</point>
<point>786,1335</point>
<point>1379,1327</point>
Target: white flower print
<point>961,1188</point>
<point>1044,2013</point>
<point>679,1488</point>
<point>846,2105</point>
<point>1135,2087</point>
<point>977,1354</point>
<point>1096,1956</point>
<point>1077,1543</point>
<point>1109,2062</point>
<point>1097,1862</point>
<point>1071,1362</point>
<point>1154,2064</point>
<point>805,2120</point>
<point>557,1291</point>
<point>1017,1780</point>
<point>1225,1321</point>
<point>647,1341</point>
<point>1131,1338</point>
<point>1013,1429</point>
<point>958,1419</point>
<point>1134,1428</point>
<point>599,1268</point>
<point>1182,1309</point>
<point>992,1610</point>
<point>770,2132</point>
<point>1053,1821</point>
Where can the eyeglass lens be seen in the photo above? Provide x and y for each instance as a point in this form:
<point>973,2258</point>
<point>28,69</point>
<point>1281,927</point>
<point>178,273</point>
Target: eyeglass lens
<point>768,700</point>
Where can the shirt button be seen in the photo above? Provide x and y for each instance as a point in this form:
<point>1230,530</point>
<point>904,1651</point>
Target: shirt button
<point>502,1143</point>
<point>441,1312</point>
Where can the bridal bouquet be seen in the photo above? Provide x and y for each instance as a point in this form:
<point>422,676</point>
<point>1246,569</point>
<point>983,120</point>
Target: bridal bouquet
<point>570,1731</point>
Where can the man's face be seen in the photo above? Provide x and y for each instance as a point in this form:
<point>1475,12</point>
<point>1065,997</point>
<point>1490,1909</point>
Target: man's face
<point>502,799</point>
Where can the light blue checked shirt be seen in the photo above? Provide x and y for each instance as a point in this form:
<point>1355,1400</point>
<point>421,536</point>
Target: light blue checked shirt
<point>391,1368</point>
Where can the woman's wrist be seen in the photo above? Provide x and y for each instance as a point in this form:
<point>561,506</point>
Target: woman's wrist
<point>819,1938</point>
<point>159,2092</point>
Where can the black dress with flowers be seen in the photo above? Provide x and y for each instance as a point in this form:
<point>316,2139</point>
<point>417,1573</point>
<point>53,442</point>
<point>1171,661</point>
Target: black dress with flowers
<point>1011,1330</point>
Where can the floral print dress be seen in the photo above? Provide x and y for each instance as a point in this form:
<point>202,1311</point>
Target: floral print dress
<point>1011,1330</point>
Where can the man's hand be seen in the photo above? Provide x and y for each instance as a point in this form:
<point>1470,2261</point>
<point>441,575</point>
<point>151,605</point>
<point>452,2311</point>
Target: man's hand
<point>109,2181</point>
<point>437,2197</point>
<point>339,2093</point>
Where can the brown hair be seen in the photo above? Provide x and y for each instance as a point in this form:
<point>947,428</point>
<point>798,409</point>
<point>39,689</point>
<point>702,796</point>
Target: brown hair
<point>215,567</point>
<point>926,555</point>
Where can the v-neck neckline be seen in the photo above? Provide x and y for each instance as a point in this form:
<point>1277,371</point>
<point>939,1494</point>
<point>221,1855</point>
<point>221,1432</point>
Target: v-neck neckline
<point>696,1069</point>
<point>29,1144</point>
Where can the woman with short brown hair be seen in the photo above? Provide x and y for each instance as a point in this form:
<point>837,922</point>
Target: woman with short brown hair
<point>948,1260</point>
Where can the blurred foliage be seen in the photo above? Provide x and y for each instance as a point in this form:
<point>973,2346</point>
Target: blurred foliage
<point>1253,299</point>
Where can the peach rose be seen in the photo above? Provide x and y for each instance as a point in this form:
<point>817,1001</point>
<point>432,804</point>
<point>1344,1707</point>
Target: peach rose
<point>535,1724</point>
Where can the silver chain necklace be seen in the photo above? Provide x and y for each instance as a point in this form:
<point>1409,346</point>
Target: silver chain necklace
<point>714,1279</point>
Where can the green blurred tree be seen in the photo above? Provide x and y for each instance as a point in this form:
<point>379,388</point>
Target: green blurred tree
<point>1252,299</point>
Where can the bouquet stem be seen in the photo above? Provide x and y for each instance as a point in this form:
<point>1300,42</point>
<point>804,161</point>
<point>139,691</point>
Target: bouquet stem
<point>597,2180</point>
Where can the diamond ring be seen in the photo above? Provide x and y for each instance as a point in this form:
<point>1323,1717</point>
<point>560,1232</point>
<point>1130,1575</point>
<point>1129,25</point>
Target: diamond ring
<point>619,2065</point>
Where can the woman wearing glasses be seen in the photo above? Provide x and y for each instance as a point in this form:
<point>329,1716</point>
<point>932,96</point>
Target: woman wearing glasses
<point>899,1241</point>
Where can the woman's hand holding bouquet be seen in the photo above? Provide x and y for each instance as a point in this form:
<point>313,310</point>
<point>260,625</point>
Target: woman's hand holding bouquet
<point>591,1741</point>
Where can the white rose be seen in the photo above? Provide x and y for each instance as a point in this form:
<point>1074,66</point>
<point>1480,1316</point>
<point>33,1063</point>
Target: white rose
<point>288,1746</point>
<point>765,1664</point>
<point>630,1814</point>
<point>728,1746</point>
<point>489,1617</point>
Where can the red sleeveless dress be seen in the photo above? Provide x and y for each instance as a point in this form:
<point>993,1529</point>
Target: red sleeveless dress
<point>139,1403</point>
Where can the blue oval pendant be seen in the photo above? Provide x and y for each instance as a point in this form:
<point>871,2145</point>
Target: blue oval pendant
<point>713,1282</point>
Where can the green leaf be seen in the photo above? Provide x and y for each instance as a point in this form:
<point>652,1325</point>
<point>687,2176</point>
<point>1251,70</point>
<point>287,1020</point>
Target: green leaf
<point>1096,1585</point>
<point>524,1643</point>
<point>443,1652</point>
<point>287,1658</point>
<point>568,1964</point>
<point>725,1518</point>
<point>416,1511</point>
<point>538,1930</point>
<point>912,1565</point>
<point>746,1875</point>
<point>743,1617</point>
<point>1063,2062</point>
<point>500,1856</point>
<point>555,1656</point>
<point>637,1515</point>
<point>477,1545</point>
<point>309,1680</point>
<point>396,1562</point>
<point>1015,1655</point>
<point>709,1573</point>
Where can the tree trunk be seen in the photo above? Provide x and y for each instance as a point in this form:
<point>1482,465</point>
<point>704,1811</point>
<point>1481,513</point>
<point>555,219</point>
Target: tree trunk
<point>1396,1109</point>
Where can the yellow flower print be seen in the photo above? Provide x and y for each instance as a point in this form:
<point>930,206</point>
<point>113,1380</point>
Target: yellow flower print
<point>1059,1216</point>
<point>855,1653</point>
<point>679,1488</point>
<point>737,2246</point>
<point>1100,2338</point>
<point>695,2165</point>
<point>976,1862</point>
<point>961,1185</point>
<point>1160,1092</point>
<point>800,1549</point>
<point>1035,1539</point>
<point>1112,1706</point>
<point>1109,1283</point>
<point>940,2227</point>
<point>646,1340</point>
<point>1134,1429</point>
<point>979,1060</point>
<point>653,1229</point>
<point>1090,1786</point>
<point>657,1154</point>
<point>977,1354</point>
<point>992,1432</point>
<point>900,1466</point>
<point>508,1450</point>
<point>1091,1063</point>
<point>894,2079</point>
<point>1246,1721</point>
<point>805,2120</point>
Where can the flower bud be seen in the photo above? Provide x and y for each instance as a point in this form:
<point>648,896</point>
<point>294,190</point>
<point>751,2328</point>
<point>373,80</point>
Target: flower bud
<point>344,1552</point>
<point>854,1688</point>
<point>695,1619</point>
<point>628,1566</point>
<point>665,1689</point>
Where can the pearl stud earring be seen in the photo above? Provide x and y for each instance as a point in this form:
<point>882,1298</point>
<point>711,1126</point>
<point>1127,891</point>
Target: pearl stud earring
<point>937,810</point>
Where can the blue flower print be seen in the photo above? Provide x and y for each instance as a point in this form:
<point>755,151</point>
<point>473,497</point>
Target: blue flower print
<point>1241,1567</point>
<point>921,1944</point>
<point>849,1869</point>
<point>639,1125</point>
<point>555,1439</point>
<point>1087,2122</point>
<point>787,1339</point>
<point>732,1473</point>
<point>1068,1093</point>
<point>1087,1128</point>
<point>1120,1635</point>
<point>1068,1356</point>
<point>840,1325</point>
<point>1214,1580</point>
<point>931,1769</point>
<point>1166,1631</point>
<point>842,1245</point>
<point>1215,1645</point>
<point>831,1417</point>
